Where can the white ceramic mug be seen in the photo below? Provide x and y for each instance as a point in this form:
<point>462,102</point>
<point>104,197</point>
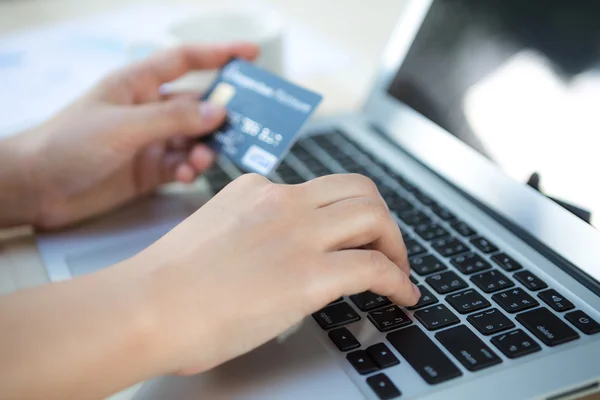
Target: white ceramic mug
<point>217,27</point>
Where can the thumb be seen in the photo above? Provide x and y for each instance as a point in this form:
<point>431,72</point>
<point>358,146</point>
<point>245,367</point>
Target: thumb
<point>160,121</point>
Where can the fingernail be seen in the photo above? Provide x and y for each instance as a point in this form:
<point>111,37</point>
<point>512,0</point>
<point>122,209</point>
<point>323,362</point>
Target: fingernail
<point>209,111</point>
<point>417,291</point>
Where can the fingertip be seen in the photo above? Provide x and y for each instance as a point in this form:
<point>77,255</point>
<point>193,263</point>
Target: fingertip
<point>246,50</point>
<point>212,115</point>
<point>201,158</point>
<point>185,173</point>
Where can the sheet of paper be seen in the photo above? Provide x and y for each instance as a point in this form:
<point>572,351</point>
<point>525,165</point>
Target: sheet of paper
<point>44,69</point>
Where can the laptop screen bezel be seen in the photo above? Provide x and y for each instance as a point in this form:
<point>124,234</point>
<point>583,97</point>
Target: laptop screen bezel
<point>465,168</point>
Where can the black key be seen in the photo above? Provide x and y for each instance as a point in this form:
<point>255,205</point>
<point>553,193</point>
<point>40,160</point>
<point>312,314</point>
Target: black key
<point>413,247</point>
<point>395,202</point>
<point>413,279</point>
<point>423,198</point>
<point>483,244</point>
<point>490,321</point>
<point>426,264</point>
<point>583,322</point>
<point>367,301</point>
<point>361,361</point>
<point>414,217</point>
<point>430,231</point>
<point>336,300</point>
<point>492,281</point>
<point>462,228</point>
<point>467,301</point>
<point>423,355</point>
<point>463,344</point>
<point>343,339</point>
<point>470,263</point>
<point>547,326</point>
<point>450,246</point>
<point>382,356</point>
<point>530,281</point>
<point>442,212</point>
<point>436,317</point>
<point>292,178</point>
<point>515,300</point>
<point>446,282</point>
<point>336,315</point>
<point>383,387</point>
<point>389,318</point>
<point>555,300</point>
<point>427,299</point>
<point>515,344</point>
<point>506,262</point>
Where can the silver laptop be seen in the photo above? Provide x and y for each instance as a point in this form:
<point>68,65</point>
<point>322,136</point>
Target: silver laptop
<point>510,306</point>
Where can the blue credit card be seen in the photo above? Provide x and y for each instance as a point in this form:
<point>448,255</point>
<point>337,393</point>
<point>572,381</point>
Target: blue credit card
<point>264,114</point>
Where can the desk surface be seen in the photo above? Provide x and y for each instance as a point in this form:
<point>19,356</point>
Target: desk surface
<point>20,264</point>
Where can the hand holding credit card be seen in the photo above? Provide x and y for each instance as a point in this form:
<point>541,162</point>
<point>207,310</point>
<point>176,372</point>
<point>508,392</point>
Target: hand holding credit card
<point>264,115</point>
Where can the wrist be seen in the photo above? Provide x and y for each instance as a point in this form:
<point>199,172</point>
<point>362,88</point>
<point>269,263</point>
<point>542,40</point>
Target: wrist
<point>19,197</point>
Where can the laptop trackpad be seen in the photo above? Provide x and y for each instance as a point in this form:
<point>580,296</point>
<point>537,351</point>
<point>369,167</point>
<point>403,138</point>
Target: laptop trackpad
<point>98,258</point>
<point>297,368</point>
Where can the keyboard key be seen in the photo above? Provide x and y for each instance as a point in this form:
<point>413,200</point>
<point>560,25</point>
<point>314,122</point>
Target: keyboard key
<point>423,355</point>
<point>492,281</point>
<point>430,231</point>
<point>436,317</point>
<point>515,300</point>
<point>515,344</point>
<point>395,202</point>
<point>484,245</point>
<point>382,356</point>
<point>583,322</point>
<point>555,300</point>
<point>336,315</point>
<point>413,247</point>
<point>426,264</point>
<point>423,198</point>
<point>463,344</point>
<point>367,301</point>
<point>530,281</point>
<point>389,318</point>
<point>413,279</point>
<point>450,246</point>
<point>383,387</point>
<point>361,361</point>
<point>490,321</point>
<point>442,212</point>
<point>506,262</point>
<point>547,326</point>
<point>427,299</point>
<point>470,263</point>
<point>414,217</point>
<point>336,300</point>
<point>343,339</point>
<point>463,229</point>
<point>467,301</point>
<point>446,282</point>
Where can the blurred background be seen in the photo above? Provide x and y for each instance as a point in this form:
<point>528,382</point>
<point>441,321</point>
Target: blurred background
<point>518,81</point>
<point>56,48</point>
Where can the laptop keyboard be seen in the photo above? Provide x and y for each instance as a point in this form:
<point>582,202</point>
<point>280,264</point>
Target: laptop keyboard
<point>449,257</point>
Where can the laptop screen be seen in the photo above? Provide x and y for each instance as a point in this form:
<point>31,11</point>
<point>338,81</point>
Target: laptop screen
<point>517,80</point>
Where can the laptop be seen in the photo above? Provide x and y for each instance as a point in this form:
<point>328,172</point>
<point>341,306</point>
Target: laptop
<point>509,277</point>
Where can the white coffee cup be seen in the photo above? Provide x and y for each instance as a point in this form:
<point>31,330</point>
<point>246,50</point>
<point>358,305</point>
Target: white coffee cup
<point>218,27</point>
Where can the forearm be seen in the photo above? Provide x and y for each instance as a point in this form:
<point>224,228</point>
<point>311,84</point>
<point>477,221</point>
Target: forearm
<point>85,338</point>
<point>18,200</point>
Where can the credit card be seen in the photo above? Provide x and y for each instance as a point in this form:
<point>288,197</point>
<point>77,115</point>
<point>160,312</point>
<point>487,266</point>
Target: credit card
<point>264,115</point>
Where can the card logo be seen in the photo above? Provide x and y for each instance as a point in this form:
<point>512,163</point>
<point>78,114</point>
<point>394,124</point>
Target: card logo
<point>259,160</point>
